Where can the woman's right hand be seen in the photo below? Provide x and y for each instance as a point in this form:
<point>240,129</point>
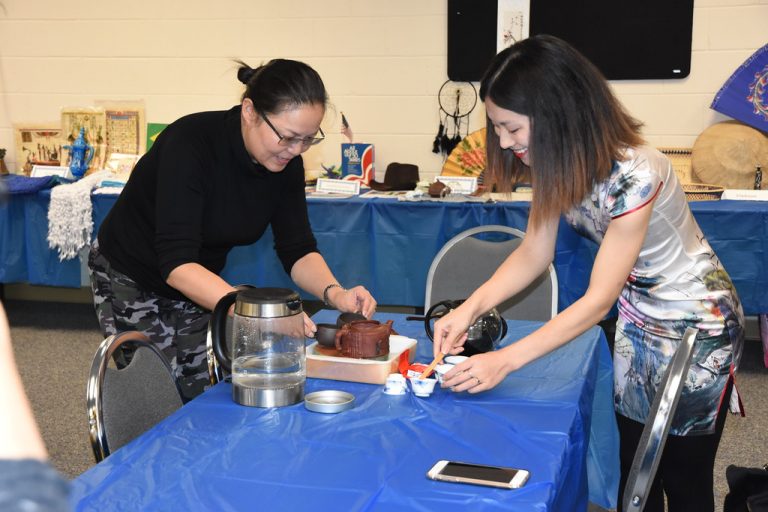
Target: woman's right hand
<point>450,332</point>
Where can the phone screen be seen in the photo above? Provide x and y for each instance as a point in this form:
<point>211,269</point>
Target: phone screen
<point>489,473</point>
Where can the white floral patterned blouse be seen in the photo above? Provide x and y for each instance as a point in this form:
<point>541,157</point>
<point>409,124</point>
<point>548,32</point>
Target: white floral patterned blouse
<point>677,282</point>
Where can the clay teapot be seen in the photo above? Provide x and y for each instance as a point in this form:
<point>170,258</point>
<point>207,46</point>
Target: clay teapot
<point>363,339</point>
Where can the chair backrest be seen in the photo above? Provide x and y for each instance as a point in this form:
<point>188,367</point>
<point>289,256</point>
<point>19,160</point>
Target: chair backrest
<point>467,260</point>
<point>123,403</point>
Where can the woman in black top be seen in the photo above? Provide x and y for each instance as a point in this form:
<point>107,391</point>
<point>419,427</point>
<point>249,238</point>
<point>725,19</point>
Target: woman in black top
<point>212,181</point>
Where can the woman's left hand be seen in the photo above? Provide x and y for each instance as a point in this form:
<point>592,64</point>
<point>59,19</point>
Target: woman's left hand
<point>309,326</point>
<point>355,300</point>
<point>478,373</point>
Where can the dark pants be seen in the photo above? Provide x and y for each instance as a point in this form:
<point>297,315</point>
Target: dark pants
<point>178,328</point>
<point>685,472</point>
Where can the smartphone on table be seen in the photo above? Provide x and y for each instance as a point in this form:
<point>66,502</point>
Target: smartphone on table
<point>478,474</point>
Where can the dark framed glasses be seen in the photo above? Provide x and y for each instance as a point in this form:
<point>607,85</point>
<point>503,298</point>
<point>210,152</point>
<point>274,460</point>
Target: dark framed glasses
<point>305,142</point>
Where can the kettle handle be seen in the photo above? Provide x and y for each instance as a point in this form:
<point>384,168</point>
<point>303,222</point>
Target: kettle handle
<point>218,329</point>
<point>447,304</point>
<point>504,328</point>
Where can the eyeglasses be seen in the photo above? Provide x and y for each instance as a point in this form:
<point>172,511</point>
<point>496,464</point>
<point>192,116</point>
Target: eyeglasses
<point>292,141</point>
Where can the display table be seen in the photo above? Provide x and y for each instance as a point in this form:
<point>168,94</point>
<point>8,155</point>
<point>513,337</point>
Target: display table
<point>213,454</point>
<point>388,246</point>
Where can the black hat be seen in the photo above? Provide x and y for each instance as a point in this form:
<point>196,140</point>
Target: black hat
<point>398,177</point>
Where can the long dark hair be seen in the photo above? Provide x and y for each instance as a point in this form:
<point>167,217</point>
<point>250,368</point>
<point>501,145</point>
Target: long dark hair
<point>281,84</point>
<point>578,127</point>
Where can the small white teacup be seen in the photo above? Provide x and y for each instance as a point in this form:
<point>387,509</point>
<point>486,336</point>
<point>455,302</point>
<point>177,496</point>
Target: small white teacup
<point>395,384</point>
<point>441,370</point>
<point>454,360</point>
<point>423,387</point>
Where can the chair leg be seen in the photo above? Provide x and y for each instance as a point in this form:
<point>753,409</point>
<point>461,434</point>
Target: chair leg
<point>654,436</point>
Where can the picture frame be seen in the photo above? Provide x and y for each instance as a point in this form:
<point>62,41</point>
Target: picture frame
<point>126,129</point>
<point>459,184</point>
<point>41,171</point>
<point>94,121</point>
<point>121,165</point>
<point>38,144</point>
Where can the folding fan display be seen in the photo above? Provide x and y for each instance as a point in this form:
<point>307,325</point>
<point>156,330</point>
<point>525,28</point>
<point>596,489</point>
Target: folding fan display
<point>468,157</point>
<point>744,96</point>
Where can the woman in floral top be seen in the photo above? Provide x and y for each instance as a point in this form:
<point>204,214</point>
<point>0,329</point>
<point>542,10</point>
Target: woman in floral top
<point>552,114</point>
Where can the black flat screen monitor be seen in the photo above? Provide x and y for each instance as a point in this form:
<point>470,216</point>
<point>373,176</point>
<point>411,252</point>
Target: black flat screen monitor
<point>627,40</point>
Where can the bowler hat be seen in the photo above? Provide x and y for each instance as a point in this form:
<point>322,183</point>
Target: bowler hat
<point>398,177</point>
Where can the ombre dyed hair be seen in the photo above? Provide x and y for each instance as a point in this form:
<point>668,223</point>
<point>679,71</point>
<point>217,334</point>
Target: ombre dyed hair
<point>578,127</point>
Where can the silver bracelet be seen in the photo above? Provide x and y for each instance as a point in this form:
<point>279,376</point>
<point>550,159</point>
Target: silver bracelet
<point>325,293</point>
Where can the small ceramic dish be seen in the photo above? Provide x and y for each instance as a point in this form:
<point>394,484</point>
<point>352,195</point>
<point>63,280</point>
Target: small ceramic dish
<point>329,401</point>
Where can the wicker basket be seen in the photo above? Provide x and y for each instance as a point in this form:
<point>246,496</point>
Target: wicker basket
<point>681,162</point>
<point>702,192</point>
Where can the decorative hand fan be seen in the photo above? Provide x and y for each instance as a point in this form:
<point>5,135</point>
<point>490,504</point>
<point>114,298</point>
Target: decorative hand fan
<point>468,158</point>
<point>744,96</point>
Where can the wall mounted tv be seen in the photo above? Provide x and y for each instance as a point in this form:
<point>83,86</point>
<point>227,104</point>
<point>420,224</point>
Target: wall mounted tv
<point>627,40</point>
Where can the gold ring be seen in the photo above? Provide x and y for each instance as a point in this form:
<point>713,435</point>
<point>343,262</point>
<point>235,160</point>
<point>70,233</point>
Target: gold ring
<point>478,381</point>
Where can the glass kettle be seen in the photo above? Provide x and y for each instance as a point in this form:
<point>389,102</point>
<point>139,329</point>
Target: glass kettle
<point>482,336</point>
<point>268,359</point>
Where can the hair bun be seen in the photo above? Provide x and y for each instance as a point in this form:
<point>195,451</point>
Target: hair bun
<point>245,73</point>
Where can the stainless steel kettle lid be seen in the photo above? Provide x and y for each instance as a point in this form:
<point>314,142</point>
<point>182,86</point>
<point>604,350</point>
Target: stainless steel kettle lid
<point>268,302</point>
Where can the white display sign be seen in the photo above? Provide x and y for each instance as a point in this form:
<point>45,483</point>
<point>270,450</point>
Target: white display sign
<point>459,184</point>
<point>41,171</point>
<point>745,195</point>
<point>330,186</point>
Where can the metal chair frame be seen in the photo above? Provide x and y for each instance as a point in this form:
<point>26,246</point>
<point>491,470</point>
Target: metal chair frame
<point>94,406</point>
<point>493,228</point>
<point>651,446</point>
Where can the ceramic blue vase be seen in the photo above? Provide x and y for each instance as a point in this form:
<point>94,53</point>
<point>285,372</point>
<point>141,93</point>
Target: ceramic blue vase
<point>80,155</point>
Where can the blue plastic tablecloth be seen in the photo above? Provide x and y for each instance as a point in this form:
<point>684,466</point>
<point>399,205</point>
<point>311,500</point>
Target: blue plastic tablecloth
<point>215,455</point>
<point>387,245</point>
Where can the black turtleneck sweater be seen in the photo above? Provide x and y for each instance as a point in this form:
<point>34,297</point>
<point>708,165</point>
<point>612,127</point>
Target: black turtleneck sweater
<point>194,196</point>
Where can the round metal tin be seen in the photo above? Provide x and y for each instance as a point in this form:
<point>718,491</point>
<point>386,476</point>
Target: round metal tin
<point>329,401</point>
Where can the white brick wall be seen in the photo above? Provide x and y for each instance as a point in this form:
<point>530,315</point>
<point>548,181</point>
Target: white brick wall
<point>383,62</point>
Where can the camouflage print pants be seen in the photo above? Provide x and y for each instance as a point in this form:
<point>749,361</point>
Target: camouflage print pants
<point>177,327</point>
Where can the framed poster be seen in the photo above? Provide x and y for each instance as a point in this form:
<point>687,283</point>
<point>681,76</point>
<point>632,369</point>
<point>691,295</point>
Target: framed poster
<point>125,127</point>
<point>121,164</point>
<point>38,144</point>
<point>94,122</point>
